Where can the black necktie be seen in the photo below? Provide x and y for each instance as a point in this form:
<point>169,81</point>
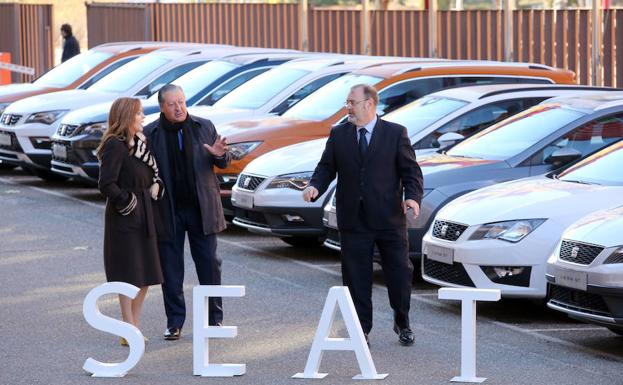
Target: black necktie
<point>363,142</point>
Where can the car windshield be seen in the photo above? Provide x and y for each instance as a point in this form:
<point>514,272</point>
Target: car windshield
<point>123,79</point>
<point>194,81</point>
<point>328,99</point>
<point>517,133</point>
<point>598,168</point>
<point>261,89</point>
<point>68,72</point>
<point>423,112</point>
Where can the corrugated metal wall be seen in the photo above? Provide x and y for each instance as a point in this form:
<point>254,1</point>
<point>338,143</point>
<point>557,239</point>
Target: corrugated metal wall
<point>559,38</point>
<point>117,22</point>
<point>26,32</point>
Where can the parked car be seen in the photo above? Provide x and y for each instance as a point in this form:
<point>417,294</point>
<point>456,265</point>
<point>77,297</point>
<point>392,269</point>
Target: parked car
<point>276,207</point>
<point>78,72</point>
<point>501,236</point>
<point>80,131</point>
<point>26,126</point>
<point>453,114</point>
<point>585,272</point>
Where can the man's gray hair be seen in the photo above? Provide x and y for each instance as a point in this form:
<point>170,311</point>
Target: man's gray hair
<point>369,92</point>
<point>166,88</point>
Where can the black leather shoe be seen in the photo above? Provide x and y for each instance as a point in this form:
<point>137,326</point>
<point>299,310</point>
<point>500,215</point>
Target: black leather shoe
<point>172,334</point>
<point>405,336</point>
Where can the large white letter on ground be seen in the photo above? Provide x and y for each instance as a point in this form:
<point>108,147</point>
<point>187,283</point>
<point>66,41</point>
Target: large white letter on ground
<point>119,328</point>
<point>468,298</point>
<point>339,297</point>
<point>201,332</point>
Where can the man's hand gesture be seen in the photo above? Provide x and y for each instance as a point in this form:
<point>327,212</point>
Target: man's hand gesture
<point>219,148</point>
<point>310,193</point>
<point>411,204</point>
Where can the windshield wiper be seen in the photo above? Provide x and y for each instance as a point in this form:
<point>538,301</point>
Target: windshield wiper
<point>578,181</point>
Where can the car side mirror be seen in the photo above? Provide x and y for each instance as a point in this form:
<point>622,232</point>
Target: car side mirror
<point>449,138</point>
<point>563,156</point>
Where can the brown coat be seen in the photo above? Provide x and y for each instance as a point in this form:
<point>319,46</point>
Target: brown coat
<point>130,242</point>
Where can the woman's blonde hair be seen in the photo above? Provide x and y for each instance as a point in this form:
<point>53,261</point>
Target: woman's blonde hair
<point>120,120</point>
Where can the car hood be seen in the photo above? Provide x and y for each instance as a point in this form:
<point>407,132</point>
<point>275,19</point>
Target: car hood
<point>292,159</point>
<point>89,114</point>
<point>600,228</point>
<point>62,100</point>
<point>540,197</point>
<point>219,116</point>
<point>14,92</point>
<point>433,163</point>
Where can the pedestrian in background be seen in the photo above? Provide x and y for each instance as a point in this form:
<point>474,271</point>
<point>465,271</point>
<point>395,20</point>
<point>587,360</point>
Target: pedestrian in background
<point>187,148</point>
<point>70,45</point>
<point>129,179</point>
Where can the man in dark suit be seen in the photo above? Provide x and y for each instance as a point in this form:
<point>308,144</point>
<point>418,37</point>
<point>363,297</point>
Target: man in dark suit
<point>376,165</point>
<point>186,149</point>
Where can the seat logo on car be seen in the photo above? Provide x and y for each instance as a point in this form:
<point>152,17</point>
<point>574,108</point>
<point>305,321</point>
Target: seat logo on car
<point>444,230</point>
<point>246,182</point>
<point>575,251</point>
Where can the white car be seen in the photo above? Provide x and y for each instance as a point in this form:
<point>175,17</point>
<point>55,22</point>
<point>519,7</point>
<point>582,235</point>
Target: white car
<point>585,273</point>
<point>26,126</point>
<point>438,119</point>
<point>500,237</point>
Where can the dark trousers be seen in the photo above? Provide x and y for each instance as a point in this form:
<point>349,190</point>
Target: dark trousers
<point>357,247</point>
<point>207,264</point>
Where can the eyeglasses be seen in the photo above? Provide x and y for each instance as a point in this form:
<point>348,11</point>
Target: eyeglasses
<point>352,103</point>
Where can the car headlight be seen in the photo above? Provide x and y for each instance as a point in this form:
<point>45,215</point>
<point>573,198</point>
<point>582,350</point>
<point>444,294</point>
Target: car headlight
<point>46,117</point>
<point>95,128</point>
<point>240,150</point>
<point>298,181</point>
<point>615,257</point>
<point>3,107</point>
<point>511,231</point>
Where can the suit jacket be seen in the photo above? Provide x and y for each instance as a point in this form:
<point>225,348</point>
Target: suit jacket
<point>207,185</point>
<point>379,180</point>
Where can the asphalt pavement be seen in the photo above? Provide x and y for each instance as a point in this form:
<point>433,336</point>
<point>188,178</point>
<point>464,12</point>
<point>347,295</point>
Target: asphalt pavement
<point>51,257</point>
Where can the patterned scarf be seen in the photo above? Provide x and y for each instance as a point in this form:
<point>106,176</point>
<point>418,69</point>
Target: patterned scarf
<point>140,151</point>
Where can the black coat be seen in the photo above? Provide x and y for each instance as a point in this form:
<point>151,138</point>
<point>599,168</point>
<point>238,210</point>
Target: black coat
<point>207,185</point>
<point>130,242</point>
<point>388,170</point>
<point>70,48</point>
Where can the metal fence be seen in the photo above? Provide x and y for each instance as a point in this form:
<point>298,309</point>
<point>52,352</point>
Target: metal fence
<point>26,33</point>
<point>560,38</point>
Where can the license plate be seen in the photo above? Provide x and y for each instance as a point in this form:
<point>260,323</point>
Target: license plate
<point>244,201</point>
<point>5,139</point>
<point>573,279</point>
<point>332,220</point>
<point>440,254</point>
<point>59,151</point>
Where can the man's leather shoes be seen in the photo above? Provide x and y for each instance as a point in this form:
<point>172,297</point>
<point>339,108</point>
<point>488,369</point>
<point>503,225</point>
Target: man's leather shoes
<point>405,336</point>
<point>172,334</point>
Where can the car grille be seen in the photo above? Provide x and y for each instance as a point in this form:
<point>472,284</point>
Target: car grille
<point>454,274</point>
<point>253,218</point>
<point>9,119</point>
<point>448,230</point>
<point>580,253</point>
<point>578,300</point>
<point>249,182</point>
<point>67,129</point>
<point>14,146</point>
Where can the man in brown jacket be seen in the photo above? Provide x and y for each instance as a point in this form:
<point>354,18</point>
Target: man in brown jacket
<point>186,149</point>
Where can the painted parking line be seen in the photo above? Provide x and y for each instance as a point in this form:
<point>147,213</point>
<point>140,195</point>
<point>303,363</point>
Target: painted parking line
<point>53,193</point>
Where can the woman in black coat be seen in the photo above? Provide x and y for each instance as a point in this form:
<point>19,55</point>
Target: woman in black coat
<point>130,182</point>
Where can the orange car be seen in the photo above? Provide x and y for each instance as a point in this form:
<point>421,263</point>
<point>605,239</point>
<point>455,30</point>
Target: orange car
<point>78,72</point>
<point>397,83</point>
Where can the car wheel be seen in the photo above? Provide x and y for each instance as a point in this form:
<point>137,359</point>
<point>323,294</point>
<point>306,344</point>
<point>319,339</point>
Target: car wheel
<point>49,175</point>
<point>303,241</point>
<point>616,331</point>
